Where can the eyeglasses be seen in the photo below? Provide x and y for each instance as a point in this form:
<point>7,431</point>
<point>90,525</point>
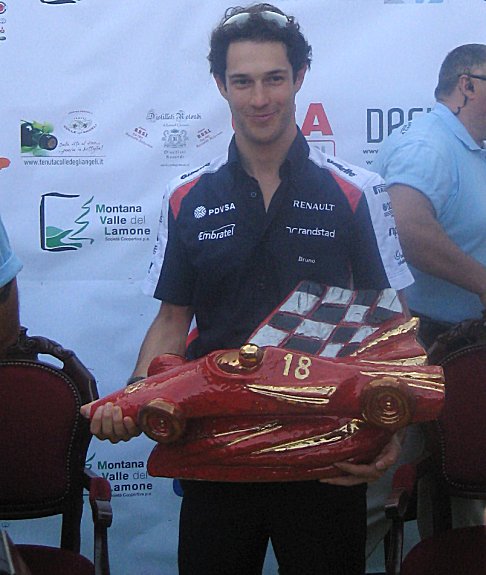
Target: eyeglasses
<point>477,76</point>
<point>242,18</point>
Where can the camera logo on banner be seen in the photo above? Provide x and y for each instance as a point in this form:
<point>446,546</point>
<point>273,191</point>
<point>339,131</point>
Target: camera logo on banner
<point>69,222</point>
<point>74,144</point>
<point>317,129</point>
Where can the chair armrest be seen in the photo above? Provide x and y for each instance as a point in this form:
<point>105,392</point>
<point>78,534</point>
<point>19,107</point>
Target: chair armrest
<point>100,500</point>
<point>400,505</point>
<point>403,487</point>
<point>99,497</point>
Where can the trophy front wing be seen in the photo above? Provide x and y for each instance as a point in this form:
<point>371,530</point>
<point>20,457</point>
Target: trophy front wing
<point>267,449</point>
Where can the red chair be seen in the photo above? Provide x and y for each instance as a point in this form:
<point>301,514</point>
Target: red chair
<point>43,446</point>
<point>457,463</point>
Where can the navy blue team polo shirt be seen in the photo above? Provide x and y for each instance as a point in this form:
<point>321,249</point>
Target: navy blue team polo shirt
<point>234,262</point>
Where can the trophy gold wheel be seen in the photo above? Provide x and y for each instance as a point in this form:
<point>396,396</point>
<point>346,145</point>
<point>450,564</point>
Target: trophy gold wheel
<point>161,420</point>
<point>388,403</point>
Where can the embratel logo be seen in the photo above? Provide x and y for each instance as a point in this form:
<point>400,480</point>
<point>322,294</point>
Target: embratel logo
<point>317,129</point>
<point>219,234</point>
<point>63,221</point>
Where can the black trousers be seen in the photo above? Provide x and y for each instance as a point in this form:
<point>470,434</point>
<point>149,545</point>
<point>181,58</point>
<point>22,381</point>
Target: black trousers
<point>315,529</point>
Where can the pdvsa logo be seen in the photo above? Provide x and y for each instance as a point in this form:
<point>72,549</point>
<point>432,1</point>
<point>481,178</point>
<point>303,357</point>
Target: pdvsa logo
<point>63,222</point>
<point>317,129</point>
<point>201,211</point>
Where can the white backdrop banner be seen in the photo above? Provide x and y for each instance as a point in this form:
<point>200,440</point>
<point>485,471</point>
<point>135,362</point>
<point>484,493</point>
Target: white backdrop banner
<point>102,103</point>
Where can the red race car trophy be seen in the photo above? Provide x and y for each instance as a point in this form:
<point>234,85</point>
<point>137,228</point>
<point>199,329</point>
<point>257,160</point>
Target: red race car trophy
<point>329,376</point>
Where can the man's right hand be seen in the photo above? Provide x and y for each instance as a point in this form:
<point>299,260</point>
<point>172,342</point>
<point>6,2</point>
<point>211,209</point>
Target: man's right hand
<point>108,423</point>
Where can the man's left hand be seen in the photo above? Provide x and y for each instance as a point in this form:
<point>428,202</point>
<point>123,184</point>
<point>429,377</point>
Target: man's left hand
<point>361,473</point>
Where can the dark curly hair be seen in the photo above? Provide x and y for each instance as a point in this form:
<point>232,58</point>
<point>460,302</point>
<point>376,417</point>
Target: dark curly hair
<point>259,29</point>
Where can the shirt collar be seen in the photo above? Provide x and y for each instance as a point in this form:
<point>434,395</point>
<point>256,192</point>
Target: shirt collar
<point>295,160</point>
<point>455,125</point>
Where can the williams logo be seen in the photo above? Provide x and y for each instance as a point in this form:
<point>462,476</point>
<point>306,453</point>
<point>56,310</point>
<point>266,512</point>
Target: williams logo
<point>63,222</point>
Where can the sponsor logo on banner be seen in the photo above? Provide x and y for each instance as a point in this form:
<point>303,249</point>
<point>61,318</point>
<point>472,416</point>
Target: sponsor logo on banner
<point>36,138</point>
<point>128,477</point>
<point>122,222</point>
<point>180,133</point>
<point>72,145</point>
<point>69,222</point>
<point>140,134</point>
<point>3,7</point>
<point>64,219</point>
<point>206,135</point>
<point>4,163</point>
<point>80,122</point>
<point>380,123</point>
<point>317,129</point>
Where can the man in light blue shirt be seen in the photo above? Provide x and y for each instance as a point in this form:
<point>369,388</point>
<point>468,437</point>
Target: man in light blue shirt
<point>9,308</point>
<point>435,171</point>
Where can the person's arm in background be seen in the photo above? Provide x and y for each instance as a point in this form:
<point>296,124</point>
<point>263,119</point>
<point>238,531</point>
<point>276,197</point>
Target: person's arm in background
<point>426,245</point>
<point>9,315</point>
<point>167,334</point>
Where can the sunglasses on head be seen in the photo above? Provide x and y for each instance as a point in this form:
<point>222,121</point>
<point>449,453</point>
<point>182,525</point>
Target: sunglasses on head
<point>242,18</point>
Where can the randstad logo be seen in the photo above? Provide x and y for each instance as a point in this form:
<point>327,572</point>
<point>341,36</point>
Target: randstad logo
<point>63,222</point>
